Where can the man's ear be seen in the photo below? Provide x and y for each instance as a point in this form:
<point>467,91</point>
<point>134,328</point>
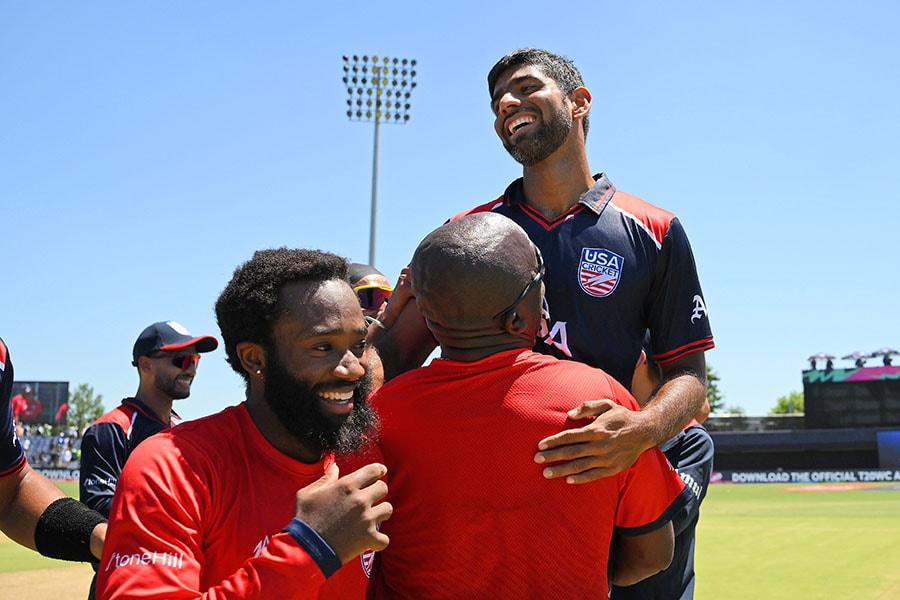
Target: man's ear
<point>145,364</point>
<point>515,323</point>
<point>581,99</point>
<point>252,356</point>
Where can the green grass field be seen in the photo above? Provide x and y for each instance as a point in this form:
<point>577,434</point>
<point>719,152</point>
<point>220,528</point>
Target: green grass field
<point>775,541</point>
<point>754,541</point>
<point>15,558</point>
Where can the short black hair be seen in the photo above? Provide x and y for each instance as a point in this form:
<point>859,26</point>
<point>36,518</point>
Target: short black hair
<point>248,306</point>
<point>558,68</point>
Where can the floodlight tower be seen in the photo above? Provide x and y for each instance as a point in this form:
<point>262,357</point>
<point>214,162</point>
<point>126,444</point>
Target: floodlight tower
<point>378,89</point>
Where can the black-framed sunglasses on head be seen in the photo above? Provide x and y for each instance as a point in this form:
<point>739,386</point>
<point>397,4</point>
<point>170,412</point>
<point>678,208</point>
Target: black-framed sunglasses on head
<point>536,280</point>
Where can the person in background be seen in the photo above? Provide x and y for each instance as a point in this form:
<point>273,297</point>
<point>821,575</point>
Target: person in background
<point>616,267</point>
<point>373,290</point>
<point>691,453</point>
<point>248,502</point>
<point>33,511</point>
<point>19,402</point>
<point>166,356</point>
<point>371,287</point>
<point>60,417</point>
<point>471,513</point>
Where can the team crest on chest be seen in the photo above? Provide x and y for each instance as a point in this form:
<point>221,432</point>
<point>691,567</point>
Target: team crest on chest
<point>599,271</point>
<point>367,558</point>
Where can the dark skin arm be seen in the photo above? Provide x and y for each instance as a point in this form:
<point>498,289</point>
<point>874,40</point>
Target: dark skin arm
<point>23,499</point>
<point>637,557</point>
<point>615,437</point>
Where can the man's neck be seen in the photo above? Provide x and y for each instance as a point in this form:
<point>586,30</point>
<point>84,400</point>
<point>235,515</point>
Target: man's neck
<point>160,404</point>
<point>275,433</point>
<point>470,349</point>
<point>556,184</point>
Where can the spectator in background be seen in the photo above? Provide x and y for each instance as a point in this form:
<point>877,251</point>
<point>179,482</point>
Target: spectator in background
<point>25,405</point>
<point>33,511</point>
<point>166,356</point>
<point>18,403</point>
<point>60,418</point>
<point>474,517</point>
<point>691,453</point>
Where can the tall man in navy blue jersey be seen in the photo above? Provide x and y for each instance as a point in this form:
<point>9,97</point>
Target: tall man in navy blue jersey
<point>616,268</point>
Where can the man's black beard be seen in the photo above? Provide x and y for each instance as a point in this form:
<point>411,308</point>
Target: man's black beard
<point>168,386</point>
<point>539,144</point>
<point>296,405</point>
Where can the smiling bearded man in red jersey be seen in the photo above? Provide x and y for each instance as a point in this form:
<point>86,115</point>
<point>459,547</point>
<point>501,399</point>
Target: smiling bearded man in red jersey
<point>249,503</point>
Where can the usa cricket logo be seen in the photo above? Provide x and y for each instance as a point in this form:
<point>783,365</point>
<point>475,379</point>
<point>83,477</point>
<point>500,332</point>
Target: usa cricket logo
<point>599,271</point>
<point>367,558</point>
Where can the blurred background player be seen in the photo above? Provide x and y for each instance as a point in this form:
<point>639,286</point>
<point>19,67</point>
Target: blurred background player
<point>25,404</point>
<point>166,356</point>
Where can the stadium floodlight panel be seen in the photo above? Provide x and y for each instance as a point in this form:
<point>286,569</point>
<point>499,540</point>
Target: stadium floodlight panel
<point>382,78</point>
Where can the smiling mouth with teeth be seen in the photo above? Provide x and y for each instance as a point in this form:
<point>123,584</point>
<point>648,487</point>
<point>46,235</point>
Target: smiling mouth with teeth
<point>519,122</point>
<point>337,396</point>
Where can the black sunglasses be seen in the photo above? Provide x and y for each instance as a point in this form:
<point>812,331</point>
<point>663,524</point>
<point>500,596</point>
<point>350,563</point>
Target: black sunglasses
<point>537,279</point>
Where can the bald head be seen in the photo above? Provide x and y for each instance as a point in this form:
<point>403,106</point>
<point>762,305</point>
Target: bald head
<point>466,272</point>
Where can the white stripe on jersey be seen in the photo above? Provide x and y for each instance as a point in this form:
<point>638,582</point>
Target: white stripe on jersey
<point>639,223</point>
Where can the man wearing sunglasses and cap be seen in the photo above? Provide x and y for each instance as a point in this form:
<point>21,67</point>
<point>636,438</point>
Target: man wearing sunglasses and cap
<point>166,356</point>
<point>371,287</point>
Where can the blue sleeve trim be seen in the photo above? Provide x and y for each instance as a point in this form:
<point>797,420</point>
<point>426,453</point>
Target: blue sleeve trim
<point>315,546</point>
<point>669,514</point>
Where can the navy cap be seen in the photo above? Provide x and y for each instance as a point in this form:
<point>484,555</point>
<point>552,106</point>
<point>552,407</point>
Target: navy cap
<point>170,335</point>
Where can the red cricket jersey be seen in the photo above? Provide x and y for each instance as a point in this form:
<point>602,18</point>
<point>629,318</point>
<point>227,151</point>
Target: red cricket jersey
<point>473,515</point>
<point>198,513</point>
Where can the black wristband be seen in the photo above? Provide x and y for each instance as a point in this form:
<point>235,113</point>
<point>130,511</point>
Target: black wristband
<point>64,530</point>
<point>310,540</point>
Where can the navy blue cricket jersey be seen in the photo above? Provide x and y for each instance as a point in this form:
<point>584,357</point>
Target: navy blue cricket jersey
<point>616,267</point>
<point>12,458</point>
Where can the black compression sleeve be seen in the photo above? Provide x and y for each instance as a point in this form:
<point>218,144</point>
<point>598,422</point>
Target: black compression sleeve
<point>64,530</point>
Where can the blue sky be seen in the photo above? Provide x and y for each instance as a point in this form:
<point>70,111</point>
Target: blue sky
<point>147,149</point>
